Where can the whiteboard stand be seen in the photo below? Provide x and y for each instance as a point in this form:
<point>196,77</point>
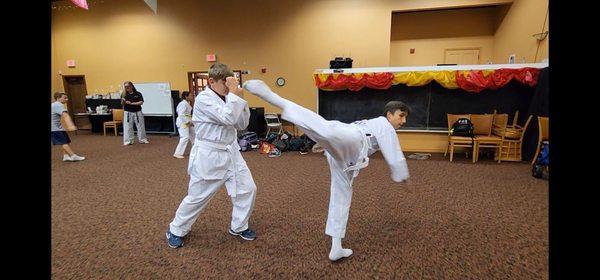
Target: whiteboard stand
<point>158,103</point>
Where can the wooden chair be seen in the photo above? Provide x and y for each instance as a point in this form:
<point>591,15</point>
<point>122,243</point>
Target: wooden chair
<point>290,125</point>
<point>482,128</point>
<point>117,120</point>
<point>457,141</point>
<point>512,143</point>
<point>544,135</point>
<point>513,130</point>
<point>495,140</point>
<point>515,118</point>
<point>499,130</point>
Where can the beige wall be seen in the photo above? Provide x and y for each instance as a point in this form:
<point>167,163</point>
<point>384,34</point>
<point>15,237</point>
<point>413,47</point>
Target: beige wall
<point>443,23</point>
<point>498,31</point>
<point>124,40</point>
<point>119,40</point>
<point>516,25</point>
<point>419,5</point>
<point>431,32</point>
<point>431,51</point>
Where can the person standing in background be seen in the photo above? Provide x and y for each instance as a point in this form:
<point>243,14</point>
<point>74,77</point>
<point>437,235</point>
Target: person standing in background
<point>57,133</point>
<point>184,124</point>
<point>132,101</point>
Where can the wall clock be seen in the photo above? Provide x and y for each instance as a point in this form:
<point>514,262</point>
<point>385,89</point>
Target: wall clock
<point>280,81</point>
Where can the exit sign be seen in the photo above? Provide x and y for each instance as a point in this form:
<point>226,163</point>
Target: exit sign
<point>211,58</point>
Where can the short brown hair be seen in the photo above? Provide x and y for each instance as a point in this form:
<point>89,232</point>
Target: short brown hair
<point>219,71</point>
<point>394,106</point>
<point>58,95</point>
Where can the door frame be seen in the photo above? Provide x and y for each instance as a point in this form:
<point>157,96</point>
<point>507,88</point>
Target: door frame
<point>464,49</point>
<point>65,87</point>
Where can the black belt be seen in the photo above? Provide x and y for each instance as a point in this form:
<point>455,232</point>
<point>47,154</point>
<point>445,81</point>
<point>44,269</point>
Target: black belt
<point>136,116</point>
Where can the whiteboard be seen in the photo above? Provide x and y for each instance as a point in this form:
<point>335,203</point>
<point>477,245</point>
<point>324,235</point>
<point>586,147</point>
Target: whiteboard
<point>157,98</point>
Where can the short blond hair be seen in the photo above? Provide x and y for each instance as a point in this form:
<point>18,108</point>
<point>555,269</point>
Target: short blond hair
<point>219,71</point>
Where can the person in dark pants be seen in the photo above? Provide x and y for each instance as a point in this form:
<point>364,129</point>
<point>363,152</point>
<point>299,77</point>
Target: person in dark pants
<point>132,101</point>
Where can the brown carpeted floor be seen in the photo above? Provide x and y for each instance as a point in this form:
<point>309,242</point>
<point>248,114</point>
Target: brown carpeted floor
<point>451,221</point>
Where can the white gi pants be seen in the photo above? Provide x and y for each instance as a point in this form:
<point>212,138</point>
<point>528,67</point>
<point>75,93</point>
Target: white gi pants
<point>128,120</point>
<point>206,178</point>
<point>344,144</point>
<point>186,134</point>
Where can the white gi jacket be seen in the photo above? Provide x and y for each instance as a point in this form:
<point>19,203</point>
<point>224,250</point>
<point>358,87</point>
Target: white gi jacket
<point>184,113</point>
<point>383,137</point>
<point>215,153</point>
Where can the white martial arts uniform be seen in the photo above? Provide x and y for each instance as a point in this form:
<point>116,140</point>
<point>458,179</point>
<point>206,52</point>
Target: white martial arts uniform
<point>128,120</point>
<point>347,147</point>
<point>133,114</point>
<point>215,160</point>
<point>186,132</point>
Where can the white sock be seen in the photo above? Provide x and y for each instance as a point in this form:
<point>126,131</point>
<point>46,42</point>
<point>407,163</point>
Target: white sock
<point>337,252</point>
<point>260,89</point>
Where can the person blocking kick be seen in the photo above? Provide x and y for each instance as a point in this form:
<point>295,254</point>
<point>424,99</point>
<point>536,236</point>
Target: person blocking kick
<point>215,158</point>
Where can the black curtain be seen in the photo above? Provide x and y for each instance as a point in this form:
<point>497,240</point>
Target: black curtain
<point>539,107</point>
<point>176,99</point>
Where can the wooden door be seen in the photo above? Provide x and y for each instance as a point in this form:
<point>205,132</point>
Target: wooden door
<point>76,89</point>
<point>461,56</point>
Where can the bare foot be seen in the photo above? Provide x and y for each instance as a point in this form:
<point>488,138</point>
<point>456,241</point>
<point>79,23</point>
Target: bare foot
<point>258,88</point>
